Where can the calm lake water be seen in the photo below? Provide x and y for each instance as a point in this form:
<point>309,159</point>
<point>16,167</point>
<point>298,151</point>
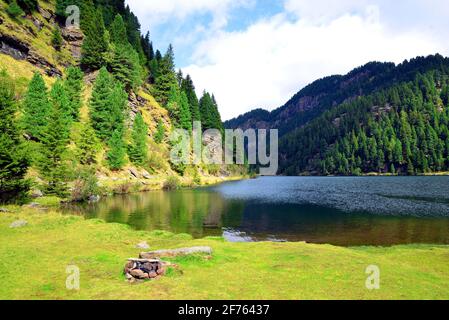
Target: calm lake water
<point>345,211</point>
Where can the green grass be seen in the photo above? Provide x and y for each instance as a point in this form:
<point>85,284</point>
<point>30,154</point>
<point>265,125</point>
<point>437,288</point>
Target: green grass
<point>33,262</point>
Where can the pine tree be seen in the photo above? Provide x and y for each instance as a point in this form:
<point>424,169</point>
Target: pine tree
<point>94,45</point>
<point>36,107</point>
<point>87,146</point>
<point>14,160</point>
<point>117,152</point>
<point>125,64</point>
<point>56,39</point>
<point>55,138</point>
<point>117,31</point>
<point>73,85</point>
<point>60,101</point>
<point>147,47</point>
<point>210,116</point>
<point>160,132</point>
<point>166,77</point>
<point>184,115</point>
<point>107,105</point>
<point>138,149</point>
<point>188,87</point>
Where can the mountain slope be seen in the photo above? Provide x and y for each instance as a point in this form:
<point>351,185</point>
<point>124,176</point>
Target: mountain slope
<point>310,127</point>
<point>27,47</point>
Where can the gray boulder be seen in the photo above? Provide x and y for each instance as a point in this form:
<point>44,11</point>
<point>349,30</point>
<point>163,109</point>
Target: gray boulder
<point>18,224</point>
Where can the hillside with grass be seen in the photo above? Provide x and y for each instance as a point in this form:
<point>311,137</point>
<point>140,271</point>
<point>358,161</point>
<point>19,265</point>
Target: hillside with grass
<point>94,106</point>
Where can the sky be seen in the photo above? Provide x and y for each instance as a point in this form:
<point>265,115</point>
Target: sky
<point>259,53</point>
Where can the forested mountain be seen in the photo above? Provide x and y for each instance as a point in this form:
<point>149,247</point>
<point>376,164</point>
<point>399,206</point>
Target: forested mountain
<point>96,102</point>
<point>379,118</point>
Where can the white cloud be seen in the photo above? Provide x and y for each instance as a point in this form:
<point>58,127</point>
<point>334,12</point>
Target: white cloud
<point>269,61</point>
<point>264,65</point>
<point>156,12</point>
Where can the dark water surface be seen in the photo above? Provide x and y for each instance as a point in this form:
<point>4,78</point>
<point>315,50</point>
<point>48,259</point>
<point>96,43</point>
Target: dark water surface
<point>341,211</point>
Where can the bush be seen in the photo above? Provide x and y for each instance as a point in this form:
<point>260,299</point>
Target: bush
<point>14,10</point>
<point>126,188</point>
<point>56,40</point>
<point>85,185</point>
<point>172,183</point>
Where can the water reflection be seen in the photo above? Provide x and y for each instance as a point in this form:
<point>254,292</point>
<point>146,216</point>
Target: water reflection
<point>223,211</point>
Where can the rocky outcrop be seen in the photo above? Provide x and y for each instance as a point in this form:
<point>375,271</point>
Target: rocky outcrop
<point>74,38</point>
<point>134,103</point>
<point>41,63</point>
<point>47,15</point>
<point>13,47</point>
<point>20,50</point>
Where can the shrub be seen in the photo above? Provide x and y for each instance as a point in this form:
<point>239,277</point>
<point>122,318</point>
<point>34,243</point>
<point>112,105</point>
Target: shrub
<point>14,10</point>
<point>172,183</point>
<point>56,40</point>
<point>85,186</point>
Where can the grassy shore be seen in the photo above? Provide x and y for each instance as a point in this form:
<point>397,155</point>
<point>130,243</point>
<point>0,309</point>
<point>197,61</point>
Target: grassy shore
<point>33,261</point>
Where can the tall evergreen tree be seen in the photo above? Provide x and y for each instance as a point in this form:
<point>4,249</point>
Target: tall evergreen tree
<point>87,146</point>
<point>188,87</point>
<point>184,115</point>
<point>14,160</point>
<point>36,107</point>
<point>138,149</point>
<point>166,77</point>
<point>73,85</point>
<point>117,151</point>
<point>94,45</point>
<point>107,105</point>
<point>147,47</point>
<point>210,116</point>
<point>60,101</point>
<point>125,64</point>
<point>53,166</point>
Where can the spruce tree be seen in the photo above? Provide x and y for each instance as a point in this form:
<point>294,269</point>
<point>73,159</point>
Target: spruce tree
<point>36,107</point>
<point>117,31</point>
<point>94,45</point>
<point>117,151</point>
<point>184,115</point>
<point>189,89</point>
<point>73,85</point>
<point>107,105</point>
<point>138,149</point>
<point>160,132</point>
<point>59,100</point>
<point>55,138</point>
<point>14,160</point>
<point>147,47</point>
<point>87,146</point>
<point>166,77</point>
<point>125,64</point>
<point>206,106</point>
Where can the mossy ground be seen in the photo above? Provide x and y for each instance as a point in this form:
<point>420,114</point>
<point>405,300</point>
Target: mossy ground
<point>33,262</point>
